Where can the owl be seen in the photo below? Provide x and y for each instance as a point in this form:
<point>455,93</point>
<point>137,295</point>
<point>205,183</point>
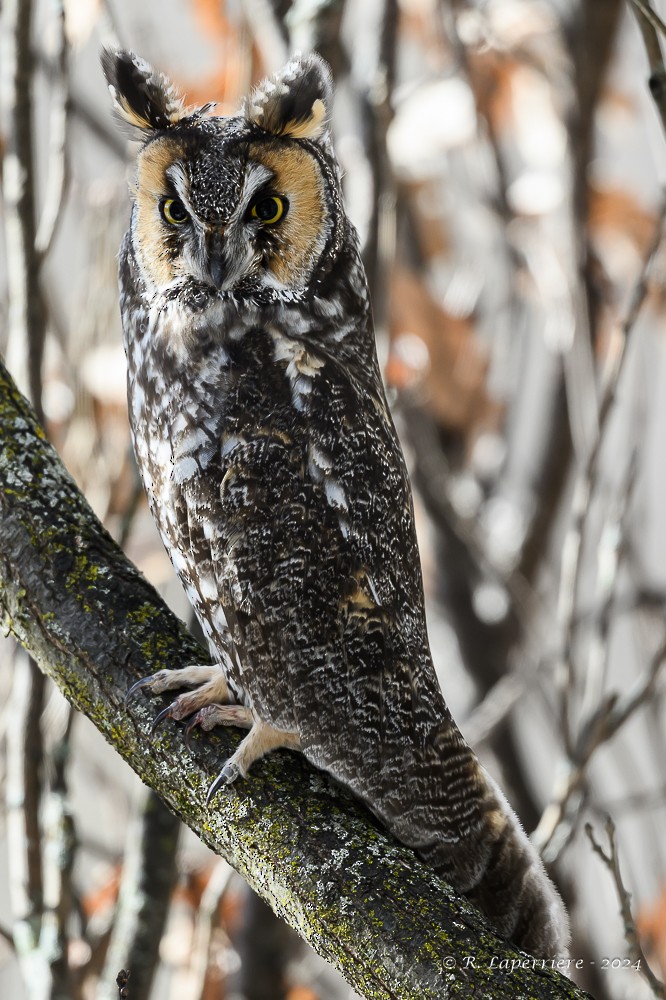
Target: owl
<point>275,476</point>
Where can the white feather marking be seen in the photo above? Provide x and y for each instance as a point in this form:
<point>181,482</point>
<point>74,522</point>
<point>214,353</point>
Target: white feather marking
<point>178,560</point>
<point>194,440</point>
<point>302,365</point>
<point>230,442</point>
<point>184,469</point>
<point>335,494</point>
<point>319,459</point>
<point>162,453</point>
<point>208,587</point>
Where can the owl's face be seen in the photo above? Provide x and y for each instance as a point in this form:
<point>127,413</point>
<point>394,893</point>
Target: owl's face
<point>239,204</point>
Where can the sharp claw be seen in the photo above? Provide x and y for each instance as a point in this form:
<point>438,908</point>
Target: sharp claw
<point>227,775</point>
<point>136,687</point>
<point>164,714</point>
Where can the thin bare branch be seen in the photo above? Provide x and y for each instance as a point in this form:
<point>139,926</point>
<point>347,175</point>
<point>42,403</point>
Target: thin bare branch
<point>558,820</point>
<point>571,566</point>
<point>149,877</point>
<point>379,250</point>
<point>59,837</point>
<point>612,861</point>
<point>27,322</point>
<point>650,24</point>
<point>650,15</point>
<point>612,545</point>
<point>23,791</point>
<point>58,166</point>
<point>80,110</point>
<point>205,925</point>
<point>268,32</point>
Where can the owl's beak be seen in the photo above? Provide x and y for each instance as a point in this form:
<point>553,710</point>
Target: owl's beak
<point>217,269</point>
<point>218,265</point>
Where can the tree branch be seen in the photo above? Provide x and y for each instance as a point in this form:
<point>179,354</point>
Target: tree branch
<point>612,862</point>
<point>149,877</point>
<point>27,321</point>
<point>651,26</point>
<point>94,625</point>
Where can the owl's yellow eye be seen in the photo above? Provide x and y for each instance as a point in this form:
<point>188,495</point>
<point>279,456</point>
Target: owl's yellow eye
<point>269,210</point>
<point>173,211</point>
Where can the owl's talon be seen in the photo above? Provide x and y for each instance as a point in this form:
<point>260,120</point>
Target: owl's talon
<point>227,776</point>
<point>137,686</point>
<point>166,713</point>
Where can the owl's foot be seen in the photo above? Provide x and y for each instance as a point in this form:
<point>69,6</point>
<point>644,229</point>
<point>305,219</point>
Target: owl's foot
<point>219,715</point>
<point>209,683</point>
<point>261,739</point>
<point>168,680</point>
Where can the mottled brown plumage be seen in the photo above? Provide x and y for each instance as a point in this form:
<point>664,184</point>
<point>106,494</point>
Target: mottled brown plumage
<point>277,482</point>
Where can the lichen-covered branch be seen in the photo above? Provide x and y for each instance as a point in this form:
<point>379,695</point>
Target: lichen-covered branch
<point>94,624</point>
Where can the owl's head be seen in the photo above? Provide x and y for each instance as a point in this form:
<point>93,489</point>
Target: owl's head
<point>236,204</point>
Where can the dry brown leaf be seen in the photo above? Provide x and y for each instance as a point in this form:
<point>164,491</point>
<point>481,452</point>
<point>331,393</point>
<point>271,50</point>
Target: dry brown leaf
<point>226,84</point>
<point>491,75</point>
<point>613,208</point>
<point>651,925</point>
<point>103,898</point>
<point>302,993</point>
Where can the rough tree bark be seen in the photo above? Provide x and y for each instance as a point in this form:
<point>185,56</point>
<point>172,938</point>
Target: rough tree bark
<point>94,625</point>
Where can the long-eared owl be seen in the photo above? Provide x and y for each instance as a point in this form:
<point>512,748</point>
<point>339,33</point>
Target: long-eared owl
<point>276,479</point>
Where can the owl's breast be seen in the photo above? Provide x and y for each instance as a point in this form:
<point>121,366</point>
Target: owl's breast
<point>280,493</point>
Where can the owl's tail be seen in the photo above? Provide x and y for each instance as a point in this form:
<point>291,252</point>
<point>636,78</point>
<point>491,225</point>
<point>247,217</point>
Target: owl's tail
<point>504,876</point>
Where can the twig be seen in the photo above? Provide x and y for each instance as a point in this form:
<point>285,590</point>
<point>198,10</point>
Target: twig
<point>612,862</point>
<point>82,111</point>
<point>23,791</point>
<point>610,716</point>
<point>268,32</point>
<point>27,322</point>
<point>650,15</point>
<point>649,24</point>
<point>110,25</point>
<point>206,921</point>
<point>148,880</point>
<point>612,545</point>
<point>654,799</point>
<point>379,250</point>
<point>499,701</point>
<point>571,567</point>
<point>58,168</point>
<point>59,854</point>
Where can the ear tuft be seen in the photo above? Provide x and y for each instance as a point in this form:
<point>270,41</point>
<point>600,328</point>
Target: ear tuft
<point>294,102</point>
<point>142,97</point>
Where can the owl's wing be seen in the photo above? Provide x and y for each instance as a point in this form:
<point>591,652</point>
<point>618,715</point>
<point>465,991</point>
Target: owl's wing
<point>304,531</point>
